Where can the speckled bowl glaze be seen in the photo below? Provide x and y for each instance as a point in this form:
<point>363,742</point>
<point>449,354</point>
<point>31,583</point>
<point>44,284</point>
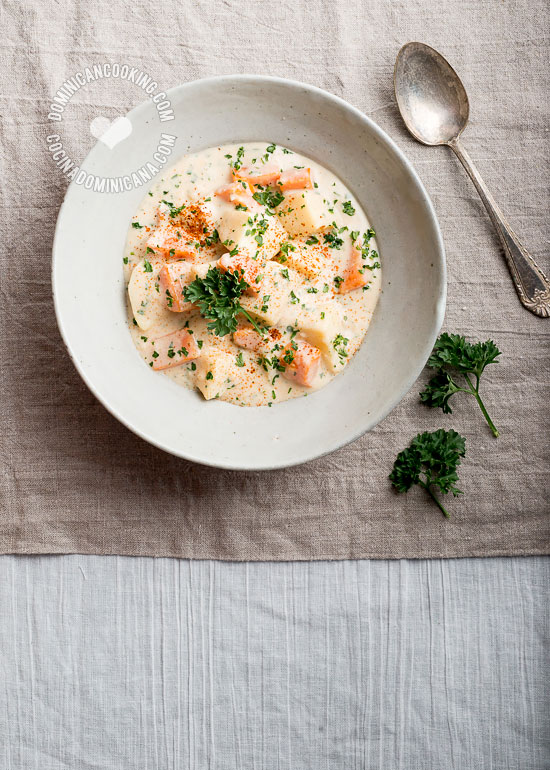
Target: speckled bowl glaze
<point>89,290</point>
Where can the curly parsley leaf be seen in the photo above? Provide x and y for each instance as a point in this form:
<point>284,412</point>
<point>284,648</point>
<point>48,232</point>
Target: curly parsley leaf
<point>451,351</point>
<point>217,297</point>
<point>430,461</point>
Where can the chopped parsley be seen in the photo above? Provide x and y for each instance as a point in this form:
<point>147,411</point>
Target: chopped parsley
<point>211,239</point>
<point>332,238</point>
<point>288,356</point>
<point>269,198</point>
<point>174,210</point>
<point>340,343</point>
<point>285,248</point>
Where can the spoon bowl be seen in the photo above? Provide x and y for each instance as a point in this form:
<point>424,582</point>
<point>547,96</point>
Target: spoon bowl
<point>430,95</point>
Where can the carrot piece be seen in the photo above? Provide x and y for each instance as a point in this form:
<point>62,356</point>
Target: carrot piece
<point>295,179</point>
<point>174,349</point>
<point>301,361</point>
<point>355,273</point>
<point>239,192</point>
<point>174,276</point>
<point>247,337</point>
<point>249,269</point>
<point>264,176</point>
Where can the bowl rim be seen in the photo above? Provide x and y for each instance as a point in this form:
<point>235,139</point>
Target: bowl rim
<point>425,199</point>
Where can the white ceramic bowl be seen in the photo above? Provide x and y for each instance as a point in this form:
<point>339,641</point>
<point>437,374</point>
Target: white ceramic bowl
<point>89,290</point>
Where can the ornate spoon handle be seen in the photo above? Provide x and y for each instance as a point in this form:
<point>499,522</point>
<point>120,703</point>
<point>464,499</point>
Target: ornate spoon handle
<point>531,284</point>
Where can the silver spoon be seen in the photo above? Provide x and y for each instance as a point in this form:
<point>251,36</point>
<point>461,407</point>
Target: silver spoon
<point>434,105</point>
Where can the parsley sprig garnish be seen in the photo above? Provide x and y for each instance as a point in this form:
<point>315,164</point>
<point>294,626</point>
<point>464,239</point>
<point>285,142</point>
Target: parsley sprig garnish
<point>451,351</point>
<point>217,297</point>
<point>430,461</point>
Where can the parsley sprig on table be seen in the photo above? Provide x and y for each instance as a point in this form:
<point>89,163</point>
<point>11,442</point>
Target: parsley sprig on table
<point>217,297</point>
<point>430,461</point>
<point>451,351</point>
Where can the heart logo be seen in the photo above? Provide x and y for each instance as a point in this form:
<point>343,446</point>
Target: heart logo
<point>110,132</point>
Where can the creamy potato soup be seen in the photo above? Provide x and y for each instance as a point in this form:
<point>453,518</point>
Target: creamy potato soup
<point>252,274</point>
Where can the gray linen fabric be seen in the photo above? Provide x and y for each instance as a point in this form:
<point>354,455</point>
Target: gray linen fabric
<point>113,663</point>
<point>74,480</point>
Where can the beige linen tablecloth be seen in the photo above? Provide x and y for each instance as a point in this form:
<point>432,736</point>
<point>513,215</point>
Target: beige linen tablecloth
<point>74,480</point>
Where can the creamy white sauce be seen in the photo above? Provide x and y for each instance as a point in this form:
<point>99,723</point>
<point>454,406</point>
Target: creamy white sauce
<point>196,177</point>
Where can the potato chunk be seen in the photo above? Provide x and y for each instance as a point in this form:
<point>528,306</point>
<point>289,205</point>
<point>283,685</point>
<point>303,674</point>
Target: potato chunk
<point>215,372</point>
<point>325,328</point>
<point>201,271</point>
<point>232,223</point>
<point>312,260</point>
<point>146,302</point>
<point>272,238</point>
<point>303,212</point>
<point>252,232</point>
<point>273,299</point>
<point>187,234</point>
